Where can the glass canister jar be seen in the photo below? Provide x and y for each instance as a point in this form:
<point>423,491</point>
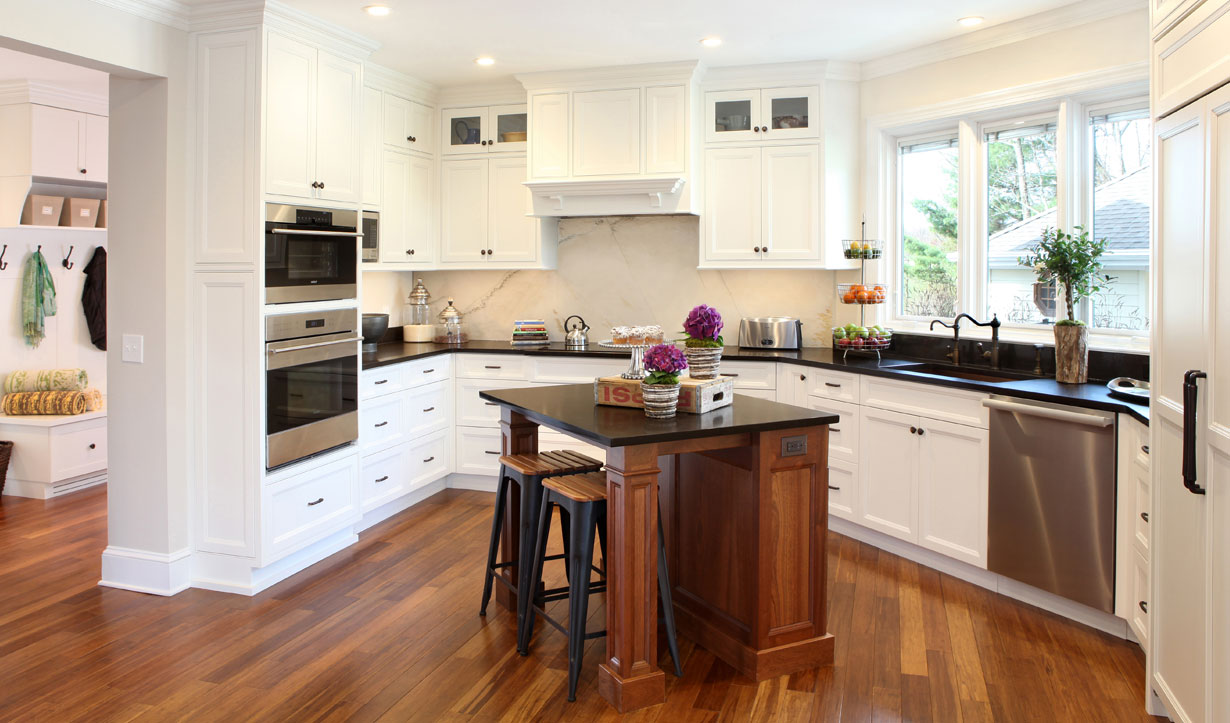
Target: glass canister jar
<point>450,324</point>
<point>416,311</point>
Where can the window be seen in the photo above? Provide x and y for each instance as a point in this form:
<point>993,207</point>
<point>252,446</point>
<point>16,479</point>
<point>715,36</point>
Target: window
<point>1121,196</point>
<point>928,229</point>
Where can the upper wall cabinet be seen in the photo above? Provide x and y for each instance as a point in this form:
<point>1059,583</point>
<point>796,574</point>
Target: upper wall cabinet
<point>312,114</point>
<point>1191,57</point>
<point>761,115</point>
<point>484,129</point>
<point>484,222</point>
<point>373,146</point>
<point>40,140</point>
<point>408,125</point>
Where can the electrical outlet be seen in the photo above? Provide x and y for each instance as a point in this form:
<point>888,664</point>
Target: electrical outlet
<point>794,446</point>
<point>133,349</point>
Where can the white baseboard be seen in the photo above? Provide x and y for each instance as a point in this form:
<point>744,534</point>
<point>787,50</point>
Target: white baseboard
<point>154,573</point>
<point>228,573</point>
<point>1104,621</point>
<point>480,482</point>
<point>44,491</point>
<point>401,504</point>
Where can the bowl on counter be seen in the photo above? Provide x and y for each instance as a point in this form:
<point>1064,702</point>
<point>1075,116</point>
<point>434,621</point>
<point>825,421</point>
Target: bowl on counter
<point>374,327</point>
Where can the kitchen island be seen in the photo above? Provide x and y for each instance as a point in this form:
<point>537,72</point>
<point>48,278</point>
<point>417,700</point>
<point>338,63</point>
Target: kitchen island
<point>743,494</point>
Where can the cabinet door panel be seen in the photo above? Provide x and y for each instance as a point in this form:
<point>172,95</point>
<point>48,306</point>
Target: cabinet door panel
<point>549,129</point>
<point>93,151</point>
<point>420,127</point>
<point>394,212</point>
<point>666,129</point>
<point>606,132</point>
<point>789,113</point>
<point>396,126</point>
<point>509,128</point>
<point>420,211</point>
<point>731,115</point>
<point>290,117</point>
<point>888,467</point>
<point>952,490</point>
<point>843,436</point>
<point>790,202</point>
<point>55,142</point>
<point>843,488</point>
<point>732,204</point>
<point>463,130</point>
<point>463,210</point>
<point>373,147</point>
<point>512,234</point>
<point>339,96</point>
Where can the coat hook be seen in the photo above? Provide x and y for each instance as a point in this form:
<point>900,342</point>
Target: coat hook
<point>68,264</point>
<point>3,264</point>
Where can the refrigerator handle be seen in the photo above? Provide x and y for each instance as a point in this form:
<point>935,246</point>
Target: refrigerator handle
<point>1190,397</point>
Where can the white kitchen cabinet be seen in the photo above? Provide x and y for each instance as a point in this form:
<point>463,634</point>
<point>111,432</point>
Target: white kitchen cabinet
<point>843,488</point>
<point>383,477</point>
<point>888,482</point>
<point>372,160</point>
<point>484,129</point>
<point>484,221</point>
<point>606,132</point>
<point>92,149</point>
<point>309,506</point>
<point>1163,13</point>
<point>549,124</point>
<point>762,114</point>
<point>512,234</point>
<point>55,455</point>
<point>313,108</point>
<point>762,204</point>
<point>463,210</point>
<point>1192,58</point>
<point>843,436</point>
<point>408,125</point>
<point>53,143</point>
<point>666,129</point>
<point>407,219</point>
<point>952,489</point>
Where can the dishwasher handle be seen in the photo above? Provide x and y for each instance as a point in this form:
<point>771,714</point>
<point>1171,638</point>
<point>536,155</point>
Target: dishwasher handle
<point>1191,391</point>
<point>1092,420</point>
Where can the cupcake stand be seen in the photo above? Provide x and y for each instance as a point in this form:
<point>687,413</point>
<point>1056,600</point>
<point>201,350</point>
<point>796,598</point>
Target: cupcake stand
<point>636,367</point>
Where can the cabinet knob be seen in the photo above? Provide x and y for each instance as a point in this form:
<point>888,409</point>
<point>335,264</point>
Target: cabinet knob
<point>1144,448</point>
<point>1144,607</point>
<point>83,170</point>
<point>93,446</point>
<point>322,185</point>
<point>802,377</point>
<point>757,249</point>
<point>1144,516</point>
<point>762,248</point>
<point>913,430</point>
<point>764,129</point>
<point>755,129</point>
<point>409,252</point>
<point>412,139</point>
<point>921,431</point>
<point>484,143</point>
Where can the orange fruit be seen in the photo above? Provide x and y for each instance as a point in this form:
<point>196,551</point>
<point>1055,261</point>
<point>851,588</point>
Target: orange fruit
<point>864,296</point>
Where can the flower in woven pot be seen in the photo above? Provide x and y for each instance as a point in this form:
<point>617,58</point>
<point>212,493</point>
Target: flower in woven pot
<point>703,341</point>
<point>660,388</point>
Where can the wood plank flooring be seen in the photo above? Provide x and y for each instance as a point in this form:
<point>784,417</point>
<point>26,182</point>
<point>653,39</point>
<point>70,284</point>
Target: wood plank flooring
<point>389,630</point>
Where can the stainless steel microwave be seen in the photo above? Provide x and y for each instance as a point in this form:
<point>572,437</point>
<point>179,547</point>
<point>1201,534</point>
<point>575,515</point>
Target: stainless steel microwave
<point>371,237</point>
<point>311,253</point>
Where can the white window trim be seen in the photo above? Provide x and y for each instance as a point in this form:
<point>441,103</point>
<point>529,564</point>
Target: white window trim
<point>1072,101</point>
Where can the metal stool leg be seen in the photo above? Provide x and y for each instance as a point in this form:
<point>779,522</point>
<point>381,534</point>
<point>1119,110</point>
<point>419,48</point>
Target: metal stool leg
<point>526,631</point>
<point>497,524</point>
<point>531,501</point>
<point>668,607</point>
<point>583,530</point>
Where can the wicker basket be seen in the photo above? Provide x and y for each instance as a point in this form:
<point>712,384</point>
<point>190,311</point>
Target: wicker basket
<point>6,451</point>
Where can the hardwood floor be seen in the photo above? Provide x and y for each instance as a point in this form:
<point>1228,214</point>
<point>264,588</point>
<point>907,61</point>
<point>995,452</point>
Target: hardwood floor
<point>389,630</point>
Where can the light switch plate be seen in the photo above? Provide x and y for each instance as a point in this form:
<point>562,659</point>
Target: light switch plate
<point>133,349</point>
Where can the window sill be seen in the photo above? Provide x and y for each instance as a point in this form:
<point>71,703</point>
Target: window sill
<point>1098,340</point>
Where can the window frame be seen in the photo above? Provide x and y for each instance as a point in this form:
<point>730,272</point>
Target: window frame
<point>894,255</point>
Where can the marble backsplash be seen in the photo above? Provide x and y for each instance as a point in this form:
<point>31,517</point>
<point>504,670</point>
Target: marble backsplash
<point>631,270</point>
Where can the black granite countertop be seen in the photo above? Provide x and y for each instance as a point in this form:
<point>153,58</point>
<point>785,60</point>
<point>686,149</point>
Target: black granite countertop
<point>1090,396</point>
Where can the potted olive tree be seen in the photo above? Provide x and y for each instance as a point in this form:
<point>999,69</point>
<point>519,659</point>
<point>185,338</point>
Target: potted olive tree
<point>1072,261</point>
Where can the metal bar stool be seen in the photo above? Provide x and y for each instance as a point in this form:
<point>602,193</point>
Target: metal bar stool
<point>583,496</point>
<point>528,471</point>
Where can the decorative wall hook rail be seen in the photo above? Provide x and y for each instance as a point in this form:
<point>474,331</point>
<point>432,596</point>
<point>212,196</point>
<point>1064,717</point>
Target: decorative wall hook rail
<point>4,264</point>
<point>66,263</point>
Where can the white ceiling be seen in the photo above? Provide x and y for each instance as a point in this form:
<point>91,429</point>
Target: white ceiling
<point>437,40</point>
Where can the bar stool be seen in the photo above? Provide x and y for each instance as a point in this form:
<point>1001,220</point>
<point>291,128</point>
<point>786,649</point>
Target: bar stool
<point>583,496</point>
<point>528,471</point>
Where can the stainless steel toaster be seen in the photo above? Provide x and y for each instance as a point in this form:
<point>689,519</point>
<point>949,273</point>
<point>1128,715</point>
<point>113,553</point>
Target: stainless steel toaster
<point>771,332</point>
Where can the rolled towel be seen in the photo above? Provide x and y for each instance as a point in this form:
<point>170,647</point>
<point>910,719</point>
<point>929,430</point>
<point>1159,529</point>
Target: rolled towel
<point>93,399</point>
<point>46,380</point>
<point>43,403</point>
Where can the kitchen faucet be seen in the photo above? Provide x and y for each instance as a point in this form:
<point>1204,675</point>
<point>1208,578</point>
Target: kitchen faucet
<point>955,354</point>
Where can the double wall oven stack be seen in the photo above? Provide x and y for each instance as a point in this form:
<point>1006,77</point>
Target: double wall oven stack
<point>311,357</point>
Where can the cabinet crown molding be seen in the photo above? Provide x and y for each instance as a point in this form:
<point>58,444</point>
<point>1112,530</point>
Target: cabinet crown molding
<point>769,75</point>
<point>308,27</point>
<point>398,83</point>
<point>482,94</point>
<point>13,92</point>
<point>612,77</point>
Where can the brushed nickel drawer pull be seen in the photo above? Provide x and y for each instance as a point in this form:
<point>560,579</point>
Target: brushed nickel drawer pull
<point>382,479</point>
<point>429,409</point>
<point>318,501</point>
<point>429,459</point>
<point>381,424</point>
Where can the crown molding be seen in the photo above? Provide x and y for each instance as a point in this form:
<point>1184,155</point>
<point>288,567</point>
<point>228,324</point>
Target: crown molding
<point>281,16</point>
<point>679,72</point>
<point>506,92</point>
<point>35,91</point>
<point>172,13</point>
<point>387,79</point>
<point>1015,31</point>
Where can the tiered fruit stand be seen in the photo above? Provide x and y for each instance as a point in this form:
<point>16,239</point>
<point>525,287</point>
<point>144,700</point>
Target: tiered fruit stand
<point>859,338</point>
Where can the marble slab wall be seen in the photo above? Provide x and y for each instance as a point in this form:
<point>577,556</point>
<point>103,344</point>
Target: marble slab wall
<point>632,270</point>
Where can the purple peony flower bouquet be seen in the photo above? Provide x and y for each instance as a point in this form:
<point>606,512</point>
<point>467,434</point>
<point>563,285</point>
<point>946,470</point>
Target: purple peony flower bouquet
<point>664,362</point>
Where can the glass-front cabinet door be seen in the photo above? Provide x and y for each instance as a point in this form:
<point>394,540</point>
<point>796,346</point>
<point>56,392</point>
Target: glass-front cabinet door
<point>789,113</point>
<point>464,130</point>
<point>508,123</point>
<point>732,115</point>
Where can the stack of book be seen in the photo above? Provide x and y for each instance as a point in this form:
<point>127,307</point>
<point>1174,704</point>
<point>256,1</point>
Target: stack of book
<point>530,332</point>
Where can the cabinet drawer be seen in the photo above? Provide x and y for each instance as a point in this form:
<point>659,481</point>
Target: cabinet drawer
<point>381,380</point>
<point>78,449</point>
<point>562,370</point>
<point>478,450</point>
<point>428,458</point>
<point>427,409</point>
<point>843,436</point>
<point>307,507</point>
<point>383,477</point>
<point>473,411</point>
<point>427,371</point>
<point>1142,486</point>
<point>832,385</point>
<point>750,375</point>
<point>843,488</point>
<point>948,405</point>
<point>382,422</point>
<point>1139,619</point>
<point>492,366</point>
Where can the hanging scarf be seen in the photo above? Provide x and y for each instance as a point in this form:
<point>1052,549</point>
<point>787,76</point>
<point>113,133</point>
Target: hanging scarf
<point>38,298</point>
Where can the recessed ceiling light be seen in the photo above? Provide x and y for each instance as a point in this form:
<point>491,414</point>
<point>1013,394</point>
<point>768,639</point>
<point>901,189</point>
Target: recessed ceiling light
<point>711,42</point>
<point>485,60</point>
<point>378,10</point>
<point>970,22</point>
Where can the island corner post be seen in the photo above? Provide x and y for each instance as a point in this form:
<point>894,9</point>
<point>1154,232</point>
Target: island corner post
<point>761,607</point>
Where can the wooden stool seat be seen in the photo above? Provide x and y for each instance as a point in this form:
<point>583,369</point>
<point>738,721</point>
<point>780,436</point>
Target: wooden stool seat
<point>588,487</point>
<point>545,464</point>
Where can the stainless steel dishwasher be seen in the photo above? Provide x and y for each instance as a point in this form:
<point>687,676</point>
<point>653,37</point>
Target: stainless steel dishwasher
<point>1051,522</point>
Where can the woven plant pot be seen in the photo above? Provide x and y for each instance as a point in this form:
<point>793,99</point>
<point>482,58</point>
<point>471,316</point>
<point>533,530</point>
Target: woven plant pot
<point>6,452</point>
<point>703,362</point>
<point>661,400</point>
<point>1071,354</point>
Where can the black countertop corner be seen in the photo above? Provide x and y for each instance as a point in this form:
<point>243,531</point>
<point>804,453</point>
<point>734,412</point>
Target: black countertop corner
<point>1094,395</point>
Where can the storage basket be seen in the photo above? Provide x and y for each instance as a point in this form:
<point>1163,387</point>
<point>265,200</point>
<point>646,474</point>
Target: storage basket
<point>6,451</point>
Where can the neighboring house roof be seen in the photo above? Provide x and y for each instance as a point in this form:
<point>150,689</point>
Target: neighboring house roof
<point>1122,212</point>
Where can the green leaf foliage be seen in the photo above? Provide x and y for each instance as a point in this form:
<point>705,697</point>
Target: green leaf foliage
<point>662,378</point>
<point>1071,259</point>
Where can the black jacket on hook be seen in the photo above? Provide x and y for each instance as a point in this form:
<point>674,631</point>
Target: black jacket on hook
<point>94,297</point>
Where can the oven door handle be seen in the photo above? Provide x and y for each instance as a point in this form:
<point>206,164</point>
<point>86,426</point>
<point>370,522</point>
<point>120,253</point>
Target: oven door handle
<point>317,345</point>
<point>304,232</point>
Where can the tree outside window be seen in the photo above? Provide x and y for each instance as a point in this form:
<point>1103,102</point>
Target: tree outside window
<point>929,229</point>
